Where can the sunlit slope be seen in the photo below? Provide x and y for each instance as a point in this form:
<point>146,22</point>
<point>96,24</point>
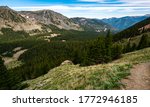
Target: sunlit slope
<point>103,76</point>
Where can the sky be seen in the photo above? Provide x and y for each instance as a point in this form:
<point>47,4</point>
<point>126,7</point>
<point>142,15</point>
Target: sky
<point>84,8</point>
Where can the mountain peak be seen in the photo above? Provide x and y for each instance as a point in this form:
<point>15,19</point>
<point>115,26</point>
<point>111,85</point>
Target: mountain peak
<point>49,17</point>
<point>7,13</point>
<point>4,7</point>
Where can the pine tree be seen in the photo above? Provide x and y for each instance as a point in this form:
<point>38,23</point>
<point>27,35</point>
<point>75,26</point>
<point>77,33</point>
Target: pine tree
<point>4,84</point>
<point>143,42</point>
<point>128,47</point>
<point>117,51</point>
<point>108,46</point>
<point>97,51</point>
<point>134,47</point>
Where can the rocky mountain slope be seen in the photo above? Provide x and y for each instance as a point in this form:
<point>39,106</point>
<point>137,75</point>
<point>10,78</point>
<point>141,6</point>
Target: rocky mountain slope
<point>34,22</point>
<point>12,19</point>
<point>50,17</point>
<point>124,22</point>
<point>37,22</point>
<point>92,24</point>
<point>8,14</point>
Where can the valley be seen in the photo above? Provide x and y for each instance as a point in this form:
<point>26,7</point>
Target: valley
<point>44,49</point>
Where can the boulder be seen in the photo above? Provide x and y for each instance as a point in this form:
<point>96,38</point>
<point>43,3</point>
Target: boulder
<point>67,62</point>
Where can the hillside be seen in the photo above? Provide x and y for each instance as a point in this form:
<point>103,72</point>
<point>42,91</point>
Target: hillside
<point>92,24</point>
<point>135,30</point>
<point>103,76</point>
<point>8,14</point>
<point>50,17</point>
<point>12,19</point>
<point>35,46</point>
<point>34,22</point>
<point>124,22</point>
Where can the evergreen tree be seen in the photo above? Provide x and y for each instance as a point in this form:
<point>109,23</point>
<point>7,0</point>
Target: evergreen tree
<point>133,47</point>
<point>143,42</point>
<point>97,51</point>
<point>128,47</point>
<point>3,76</point>
<point>117,51</point>
<point>108,46</point>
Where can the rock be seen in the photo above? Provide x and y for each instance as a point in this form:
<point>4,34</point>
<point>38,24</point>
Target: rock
<point>67,62</point>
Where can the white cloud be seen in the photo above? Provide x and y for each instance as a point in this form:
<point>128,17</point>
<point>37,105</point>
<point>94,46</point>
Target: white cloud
<point>82,7</point>
<point>92,11</point>
<point>145,3</point>
<point>91,0</point>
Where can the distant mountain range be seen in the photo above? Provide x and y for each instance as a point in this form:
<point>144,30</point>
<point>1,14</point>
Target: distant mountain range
<point>124,22</point>
<point>135,30</point>
<point>92,24</point>
<point>37,22</point>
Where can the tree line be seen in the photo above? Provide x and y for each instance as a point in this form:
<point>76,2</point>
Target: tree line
<point>43,56</point>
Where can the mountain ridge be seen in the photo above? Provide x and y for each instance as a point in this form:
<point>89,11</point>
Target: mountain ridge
<point>124,22</point>
<point>50,17</point>
<point>10,18</point>
<point>37,22</point>
<point>135,30</point>
<point>92,24</point>
<point>8,14</point>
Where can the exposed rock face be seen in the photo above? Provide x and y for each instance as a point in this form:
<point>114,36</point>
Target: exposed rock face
<point>10,15</point>
<point>12,19</point>
<point>67,62</point>
<point>50,17</point>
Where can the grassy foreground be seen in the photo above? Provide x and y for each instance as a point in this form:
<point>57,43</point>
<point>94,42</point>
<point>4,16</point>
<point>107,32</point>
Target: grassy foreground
<point>103,76</point>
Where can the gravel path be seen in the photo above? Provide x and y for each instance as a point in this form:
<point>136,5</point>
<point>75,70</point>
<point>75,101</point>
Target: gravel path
<point>139,78</point>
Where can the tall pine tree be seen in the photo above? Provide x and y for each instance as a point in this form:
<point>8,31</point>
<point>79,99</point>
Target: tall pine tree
<point>143,42</point>
<point>108,47</point>
<point>4,84</point>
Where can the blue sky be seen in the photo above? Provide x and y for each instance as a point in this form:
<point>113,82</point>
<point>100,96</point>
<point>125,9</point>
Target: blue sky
<point>85,8</point>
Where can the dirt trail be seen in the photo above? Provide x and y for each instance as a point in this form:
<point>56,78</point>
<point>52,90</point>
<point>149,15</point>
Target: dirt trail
<point>15,57</point>
<point>139,78</point>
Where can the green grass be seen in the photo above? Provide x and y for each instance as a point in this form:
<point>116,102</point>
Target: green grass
<point>133,40</point>
<point>97,77</point>
<point>75,77</point>
<point>136,57</point>
<point>14,64</point>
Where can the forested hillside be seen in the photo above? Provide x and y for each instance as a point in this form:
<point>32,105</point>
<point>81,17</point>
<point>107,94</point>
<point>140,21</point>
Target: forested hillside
<point>135,30</point>
<point>98,77</point>
<point>99,59</point>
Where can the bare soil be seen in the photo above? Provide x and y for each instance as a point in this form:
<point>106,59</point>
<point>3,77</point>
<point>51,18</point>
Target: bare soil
<point>15,57</point>
<point>139,78</point>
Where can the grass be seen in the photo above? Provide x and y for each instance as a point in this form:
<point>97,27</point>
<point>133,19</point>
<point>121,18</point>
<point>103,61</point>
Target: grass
<point>136,57</point>
<point>14,64</point>
<point>97,77</point>
<point>133,40</point>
